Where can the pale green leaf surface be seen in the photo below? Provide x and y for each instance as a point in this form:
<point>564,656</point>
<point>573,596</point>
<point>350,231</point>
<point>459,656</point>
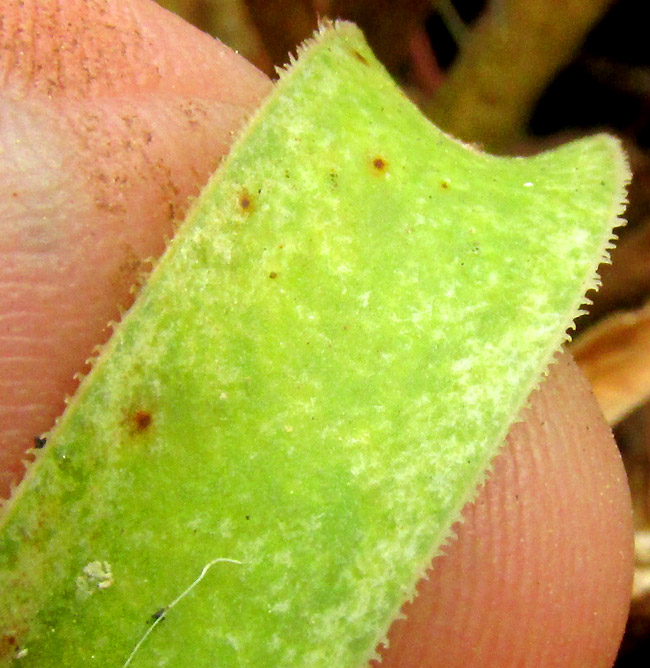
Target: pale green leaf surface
<point>312,382</point>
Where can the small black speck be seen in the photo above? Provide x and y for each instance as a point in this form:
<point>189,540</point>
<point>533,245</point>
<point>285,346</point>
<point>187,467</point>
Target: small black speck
<point>157,615</point>
<point>248,517</point>
<point>39,442</point>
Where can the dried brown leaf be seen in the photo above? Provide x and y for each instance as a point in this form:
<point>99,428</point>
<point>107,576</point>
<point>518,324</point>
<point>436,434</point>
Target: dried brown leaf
<point>614,355</point>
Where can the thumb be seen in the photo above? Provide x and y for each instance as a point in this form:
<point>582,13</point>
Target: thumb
<point>541,571</point>
<point>111,115</point>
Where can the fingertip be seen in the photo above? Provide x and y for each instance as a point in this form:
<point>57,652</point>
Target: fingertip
<point>88,50</point>
<point>541,571</point>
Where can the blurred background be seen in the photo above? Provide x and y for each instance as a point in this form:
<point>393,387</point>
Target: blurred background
<point>517,77</point>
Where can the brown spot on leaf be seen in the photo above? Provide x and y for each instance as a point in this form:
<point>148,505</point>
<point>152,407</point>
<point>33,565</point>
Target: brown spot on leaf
<point>379,164</point>
<point>142,420</point>
<point>245,201</point>
<point>273,274</point>
<point>360,57</point>
<point>444,185</point>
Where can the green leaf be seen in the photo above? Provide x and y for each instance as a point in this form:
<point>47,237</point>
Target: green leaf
<point>312,383</point>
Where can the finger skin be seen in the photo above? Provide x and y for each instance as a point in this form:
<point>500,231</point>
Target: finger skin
<point>111,115</point>
<point>540,574</point>
<point>127,111</point>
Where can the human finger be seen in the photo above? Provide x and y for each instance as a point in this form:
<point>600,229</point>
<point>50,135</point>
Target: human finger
<point>540,573</point>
